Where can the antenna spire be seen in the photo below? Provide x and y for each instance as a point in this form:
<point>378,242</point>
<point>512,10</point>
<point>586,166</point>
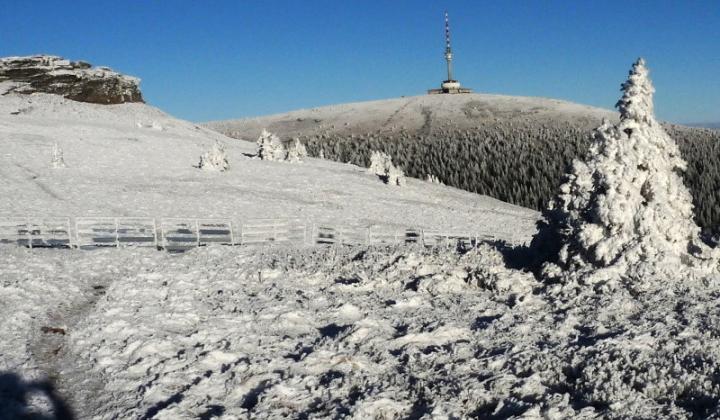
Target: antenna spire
<point>448,48</point>
<point>450,85</point>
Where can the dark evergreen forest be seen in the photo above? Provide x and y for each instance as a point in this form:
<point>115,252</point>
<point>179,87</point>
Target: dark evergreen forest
<point>518,162</point>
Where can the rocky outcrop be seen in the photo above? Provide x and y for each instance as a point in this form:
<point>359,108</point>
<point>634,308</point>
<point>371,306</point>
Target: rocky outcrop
<point>74,80</point>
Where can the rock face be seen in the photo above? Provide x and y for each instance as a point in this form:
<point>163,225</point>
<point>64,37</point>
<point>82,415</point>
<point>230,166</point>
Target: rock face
<point>74,80</point>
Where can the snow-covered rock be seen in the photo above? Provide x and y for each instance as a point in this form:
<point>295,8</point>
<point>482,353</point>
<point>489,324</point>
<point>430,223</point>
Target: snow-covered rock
<point>74,80</point>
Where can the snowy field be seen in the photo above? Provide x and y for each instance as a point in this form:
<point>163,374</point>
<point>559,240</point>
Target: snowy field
<point>325,333</point>
<point>134,160</point>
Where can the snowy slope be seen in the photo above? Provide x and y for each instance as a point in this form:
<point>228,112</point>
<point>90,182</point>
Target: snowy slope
<point>134,160</point>
<point>421,113</point>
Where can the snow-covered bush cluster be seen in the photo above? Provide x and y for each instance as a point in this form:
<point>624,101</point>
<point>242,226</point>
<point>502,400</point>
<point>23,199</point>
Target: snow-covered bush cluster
<point>433,179</point>
<point>625,210</point>
<point>296,151</point>
<point>382,166</point>
<point>214,159</point>
<point>269,147</point>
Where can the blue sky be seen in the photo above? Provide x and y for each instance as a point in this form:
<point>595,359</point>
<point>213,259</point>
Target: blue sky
<point>205,60</point>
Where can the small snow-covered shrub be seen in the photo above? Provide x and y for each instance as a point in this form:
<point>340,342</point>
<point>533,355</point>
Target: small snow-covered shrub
<point>296,152</point>
<point>625,208</point>
<point>215,159</point>
<point>382,166</point>
<point>57,157</point>
<point>433,179</point>
<point>270,147</point>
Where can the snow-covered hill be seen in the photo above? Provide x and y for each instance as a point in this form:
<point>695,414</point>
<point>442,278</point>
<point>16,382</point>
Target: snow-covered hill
<point>135,160</point>
<point>415,113</point>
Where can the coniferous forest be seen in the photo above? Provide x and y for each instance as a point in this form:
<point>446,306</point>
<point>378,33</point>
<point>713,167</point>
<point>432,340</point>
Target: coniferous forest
<point>518,162</point>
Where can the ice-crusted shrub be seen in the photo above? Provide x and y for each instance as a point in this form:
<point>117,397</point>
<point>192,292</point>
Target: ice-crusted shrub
<point>215,159</point>
<point>382,166</point>
<point>270,147</point>
<point>433,179</point>
<point>57,157</point>
<point>296,152</point>
<point>625,208</point>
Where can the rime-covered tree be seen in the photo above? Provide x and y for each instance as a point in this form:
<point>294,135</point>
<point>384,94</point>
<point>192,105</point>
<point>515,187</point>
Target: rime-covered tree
<point>382,166</point>
<point>296,152</point>
<point>626,207</point>
<point>215,159</point>
<point>270,147</point>
<point>57,160</point>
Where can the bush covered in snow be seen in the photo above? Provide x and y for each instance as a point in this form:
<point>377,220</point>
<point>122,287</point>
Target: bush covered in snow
<point>296,152</point>
<point>433,179</point>
<point>626,207</point>
<point>269,147</point>
<point>382,166</point>
<point>215,159</point>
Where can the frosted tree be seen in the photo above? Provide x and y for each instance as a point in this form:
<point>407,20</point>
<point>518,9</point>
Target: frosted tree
<point>57,157</point>
<point>433,179</point>
<point>625,208</point>
<point>270,147</point>
<point>382,166</point>
<point>215,159</point>
<point>296,152</point>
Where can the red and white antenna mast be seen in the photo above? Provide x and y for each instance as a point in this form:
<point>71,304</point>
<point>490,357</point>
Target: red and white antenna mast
<point>448,48</point>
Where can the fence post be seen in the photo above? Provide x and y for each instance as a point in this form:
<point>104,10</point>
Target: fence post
<point>67,222</point>
<point>155,233</point>
<point>232,235</point>
<point>29,231</point>
<point>274,225</point>
<point>117,234</point>
<point>77,234</point>
<point>367,236</point>
<point>197,231</point>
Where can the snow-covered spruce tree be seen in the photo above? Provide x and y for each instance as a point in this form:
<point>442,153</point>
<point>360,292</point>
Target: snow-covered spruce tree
<point>270,147</point>
<point>382,166</point>
<point>57,157</point>
<point>296,152</point>
<point>625,211</point>
<point>215,159</point>
<point>433,179</point>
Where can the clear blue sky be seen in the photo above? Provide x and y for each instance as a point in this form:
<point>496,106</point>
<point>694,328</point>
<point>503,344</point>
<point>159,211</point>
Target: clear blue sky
<point>204,60</point>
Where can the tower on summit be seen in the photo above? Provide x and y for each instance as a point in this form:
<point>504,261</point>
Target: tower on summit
<point>450,85</point>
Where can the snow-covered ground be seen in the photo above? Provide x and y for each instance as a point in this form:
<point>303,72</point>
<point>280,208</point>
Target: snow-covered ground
<point>330,332</point>
<point>134,160</point>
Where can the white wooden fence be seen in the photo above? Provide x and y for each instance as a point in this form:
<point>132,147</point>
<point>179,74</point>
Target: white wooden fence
<point>178,234</point>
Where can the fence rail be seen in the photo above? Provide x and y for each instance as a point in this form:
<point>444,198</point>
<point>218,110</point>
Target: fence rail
<point>178,234</point>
